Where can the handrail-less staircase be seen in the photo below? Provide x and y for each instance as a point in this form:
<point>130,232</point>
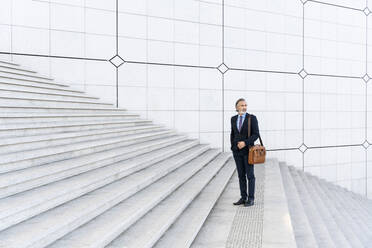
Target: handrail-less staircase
<point>77,172</point>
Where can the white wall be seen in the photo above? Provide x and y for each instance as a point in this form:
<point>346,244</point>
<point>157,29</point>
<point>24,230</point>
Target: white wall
<point>173,49</point>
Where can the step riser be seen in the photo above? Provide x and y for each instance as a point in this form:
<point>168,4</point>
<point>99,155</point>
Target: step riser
<point>209,172</point>
<point>49,204</point>
<point>8,62</point>
<point>363,203</point>
<point>321,233</point>
<point>70,139</point>
<point>66,229</point>
<point>27,163</point>
<point>13,68</point>
<point>26,109</point>
<point>56,120</point>
<point>60,172</point>
<point>326,214</point>
<point>34,86</point>
<point>48,130</point>
<point>213,189</point>
<point>4,93</point>
<point>51,104</point>
<point>42,89</point>
<point>302,229</point>
<point>106,239</point>
<point>341,219</point>
<point>24,76</point>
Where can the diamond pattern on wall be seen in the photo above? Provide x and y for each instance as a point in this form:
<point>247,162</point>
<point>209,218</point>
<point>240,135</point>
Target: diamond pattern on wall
<point>148,38</point>
<point>117,61</point>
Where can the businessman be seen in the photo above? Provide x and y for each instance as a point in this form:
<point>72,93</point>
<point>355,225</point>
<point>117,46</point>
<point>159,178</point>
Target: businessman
<point>240,143</point>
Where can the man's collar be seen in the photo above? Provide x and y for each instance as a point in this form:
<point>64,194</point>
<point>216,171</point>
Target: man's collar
<point>243,114</point>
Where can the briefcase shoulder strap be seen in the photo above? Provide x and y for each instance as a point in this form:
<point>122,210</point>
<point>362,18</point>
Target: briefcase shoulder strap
<point>249,129</point>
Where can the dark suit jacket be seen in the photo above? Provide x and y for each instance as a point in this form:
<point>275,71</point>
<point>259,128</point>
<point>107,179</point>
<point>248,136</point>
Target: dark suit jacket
<point>236,136</point>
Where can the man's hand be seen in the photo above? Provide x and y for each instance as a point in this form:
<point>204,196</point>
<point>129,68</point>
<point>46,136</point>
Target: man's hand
<point>241,144</point>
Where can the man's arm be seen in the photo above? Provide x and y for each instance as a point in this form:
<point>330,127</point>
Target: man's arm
<point>232,136</point>
<point>255,132</point>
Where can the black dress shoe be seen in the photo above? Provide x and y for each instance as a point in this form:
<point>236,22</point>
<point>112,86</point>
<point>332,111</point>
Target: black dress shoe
<point>249,202</point>
<point>241,201</point>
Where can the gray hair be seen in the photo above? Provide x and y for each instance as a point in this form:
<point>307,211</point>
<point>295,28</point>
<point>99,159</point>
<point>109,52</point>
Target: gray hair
<point>237,102</point>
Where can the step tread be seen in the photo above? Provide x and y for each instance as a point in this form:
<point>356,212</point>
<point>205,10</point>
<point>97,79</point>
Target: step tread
<point>30,84</point>
<point>109,225</point>
<point>2,88</point>
<point>3,61</point>
<point>321,233</point>
<point>62,108</point>
<point>4,72</point>
<point>52,100</point>
<point>41,115</point>
<point>276,222</point>
<point>40,227</point>
<point>15,126</point>
<point>14,204</point>
<point>183,232</point>
<point>17,176</point>
<point>146,231</point>
<point>301,227</point>
<point>346,223</point>
<point>326,212</point>
<point>27,159</point>
<point>72,134</point>
<point>16,68</point>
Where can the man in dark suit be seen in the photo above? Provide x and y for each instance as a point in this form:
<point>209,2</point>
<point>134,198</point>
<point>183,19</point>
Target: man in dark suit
<point>240,143</point>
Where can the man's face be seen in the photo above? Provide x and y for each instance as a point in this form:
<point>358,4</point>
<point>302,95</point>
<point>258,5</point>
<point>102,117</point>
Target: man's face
<point>242,107</point>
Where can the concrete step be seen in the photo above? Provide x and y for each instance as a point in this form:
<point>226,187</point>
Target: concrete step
<point>20,180</point>
<point>8,62</point>
<point>14,144</point>
<point>220,221</point>
<point>13,118</point>
<point>183,232</point>
<point>5,109</point>
<point>37,102</point>
<point>326,213</point>
<point>350,224</point>
<point>16,68</point>
<point>22,129</point>
<point>19,71</point>
<point>7,89</point>
<point>35,85</point>
<point>301,224</point>
<point>117,219</point>
<point>12,75</point>
<point>321,233</point>
<point>4,93</point>
<point>70,167</point>
<point>26,159</point>
<point>41,89</point>
<point>59,221</point>
<point>48,196</point>
<point>150,228</point>
<point>364,203</point>
<point>277,230</point>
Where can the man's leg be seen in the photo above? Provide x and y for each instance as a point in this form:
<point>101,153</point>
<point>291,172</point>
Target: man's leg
<point>241,174</point>
<point>249,168</point>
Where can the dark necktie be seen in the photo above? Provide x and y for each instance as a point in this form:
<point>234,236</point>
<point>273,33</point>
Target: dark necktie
<point>240,122</point>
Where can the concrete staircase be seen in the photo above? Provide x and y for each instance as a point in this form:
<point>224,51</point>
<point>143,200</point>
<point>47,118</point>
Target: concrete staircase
<point>78,172</point>
<point>299,210</point>
<point>324,214</point>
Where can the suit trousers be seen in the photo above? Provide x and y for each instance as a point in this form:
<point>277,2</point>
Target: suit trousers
<point>245,171</point>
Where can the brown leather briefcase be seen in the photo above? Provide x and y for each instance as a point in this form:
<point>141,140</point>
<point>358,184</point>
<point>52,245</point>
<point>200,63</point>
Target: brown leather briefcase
<point>257,153</point>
